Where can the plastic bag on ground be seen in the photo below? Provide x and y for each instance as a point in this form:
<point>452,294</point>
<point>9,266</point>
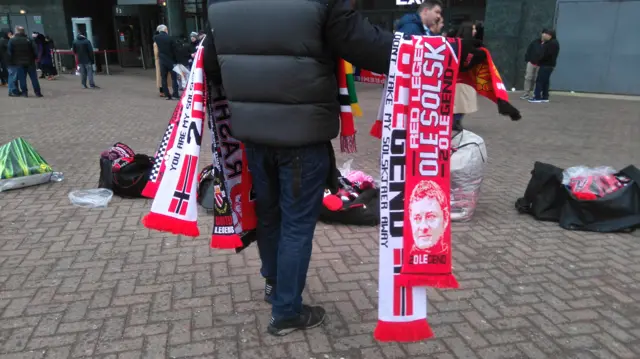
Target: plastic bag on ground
<point>591,183</point>
<point>183,75</point>
<point>584,171</point>
<point>468,161</point>
<point>91,198</point>
<point>22,166</point>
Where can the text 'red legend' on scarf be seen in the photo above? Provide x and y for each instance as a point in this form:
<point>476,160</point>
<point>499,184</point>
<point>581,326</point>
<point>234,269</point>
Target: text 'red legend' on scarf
<point>427,193</point>
<point>402,310</point>
<point>174,207</point>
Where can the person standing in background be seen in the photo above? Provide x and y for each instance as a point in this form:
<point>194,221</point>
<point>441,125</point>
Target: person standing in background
<point>466,98</point>
<point>52,47</point>
<point>156,56</point>
<point>428,14</point>
<point>167,59</point>
<point>5,60</point>
<point>531,73</point>
<point>45,60</point>
<point>86,58</point>
<point>22,54</point>
<point>547,63</point>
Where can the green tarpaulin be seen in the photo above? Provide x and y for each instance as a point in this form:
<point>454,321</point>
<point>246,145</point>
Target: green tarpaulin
<point>18,159</point>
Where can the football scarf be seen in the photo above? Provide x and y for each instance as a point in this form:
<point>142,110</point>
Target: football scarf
<point>234,202</point>
<point>483,77</point>
<point>349,107</point>
<point>173,179</point>
<point>415,233</point>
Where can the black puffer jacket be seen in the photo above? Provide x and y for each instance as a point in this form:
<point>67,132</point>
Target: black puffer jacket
<point>5,59</point>
<point>22,51</point>
<point>279,73</point>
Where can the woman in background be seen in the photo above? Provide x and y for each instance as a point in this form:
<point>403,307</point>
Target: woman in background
<point>466,99</point>
<point>52,47</point>
<point>45,60</point>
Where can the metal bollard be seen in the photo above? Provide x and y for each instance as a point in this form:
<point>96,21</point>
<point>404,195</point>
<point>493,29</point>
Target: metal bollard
<point>144,65</point>
<point>106,63</point>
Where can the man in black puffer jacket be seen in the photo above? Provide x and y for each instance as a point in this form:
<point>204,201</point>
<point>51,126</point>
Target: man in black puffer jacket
<point>22,54</point>
<point>280,79</point>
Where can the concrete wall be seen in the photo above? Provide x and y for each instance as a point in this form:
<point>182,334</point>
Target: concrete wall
<point>53,17</point>
<point>510,25</point>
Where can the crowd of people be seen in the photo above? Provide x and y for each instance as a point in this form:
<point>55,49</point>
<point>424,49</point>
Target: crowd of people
<point>22,57</point>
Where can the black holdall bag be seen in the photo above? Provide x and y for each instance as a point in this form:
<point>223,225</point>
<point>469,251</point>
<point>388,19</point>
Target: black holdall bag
<point>545,194</point>
<point>129,180</point>
<point>618,211</point>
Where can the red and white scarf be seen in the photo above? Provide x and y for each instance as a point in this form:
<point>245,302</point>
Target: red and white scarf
<point>415,224</point>
<point>173,179</point>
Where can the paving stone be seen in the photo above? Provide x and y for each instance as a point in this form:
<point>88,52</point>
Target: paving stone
<point>94,283</point>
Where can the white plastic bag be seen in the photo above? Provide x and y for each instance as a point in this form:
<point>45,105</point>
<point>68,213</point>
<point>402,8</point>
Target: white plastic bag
<point>91,198</point>
<point>584,171</point>
<point>468,162</point>
<point>346,168</point>
<point>183,75</point>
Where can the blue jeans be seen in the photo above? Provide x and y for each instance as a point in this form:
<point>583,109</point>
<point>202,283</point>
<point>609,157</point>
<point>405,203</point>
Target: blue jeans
<point>23,71</point>
<point>289,185</point>
<point>542,83</point>
<point>13,80</point>
<point>86,72</point>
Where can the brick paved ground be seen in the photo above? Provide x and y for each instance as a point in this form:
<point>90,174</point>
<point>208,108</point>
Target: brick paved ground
<point>94,283</point>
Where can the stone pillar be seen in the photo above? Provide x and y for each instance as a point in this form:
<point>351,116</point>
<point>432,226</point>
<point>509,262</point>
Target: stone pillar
<point>509,27</point>
<point>175,19</point>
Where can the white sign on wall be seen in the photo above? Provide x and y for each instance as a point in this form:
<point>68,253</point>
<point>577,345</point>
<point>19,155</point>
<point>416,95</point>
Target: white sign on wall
<point>408,2</point>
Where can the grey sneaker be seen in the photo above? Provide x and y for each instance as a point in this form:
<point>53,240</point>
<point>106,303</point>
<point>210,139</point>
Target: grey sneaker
<point>310,317</point>
<point>525,96</point>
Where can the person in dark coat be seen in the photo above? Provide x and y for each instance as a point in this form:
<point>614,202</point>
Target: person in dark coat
<point>22,54</point>
<point>531,72</point>
<point>45,60</point>
<point>547,63</point>
<point>86,58</point>
<point>51,45</point>
<point>5,59</point>
<point>167,54</point>
<point>419,23</point>
<point>280,80</point>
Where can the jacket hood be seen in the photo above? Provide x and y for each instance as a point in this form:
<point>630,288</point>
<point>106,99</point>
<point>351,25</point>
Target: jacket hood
<point>80,37</point>
<point>409,19</point>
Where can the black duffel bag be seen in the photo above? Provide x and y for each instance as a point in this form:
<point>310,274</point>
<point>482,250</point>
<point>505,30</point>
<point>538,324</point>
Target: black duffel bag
<point>545,195</point>
<point>129,180</point>
<point>547,199</point>
<point>618,211</point>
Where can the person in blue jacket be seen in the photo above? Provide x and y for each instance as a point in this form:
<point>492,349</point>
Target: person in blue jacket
<point>418,23</point>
